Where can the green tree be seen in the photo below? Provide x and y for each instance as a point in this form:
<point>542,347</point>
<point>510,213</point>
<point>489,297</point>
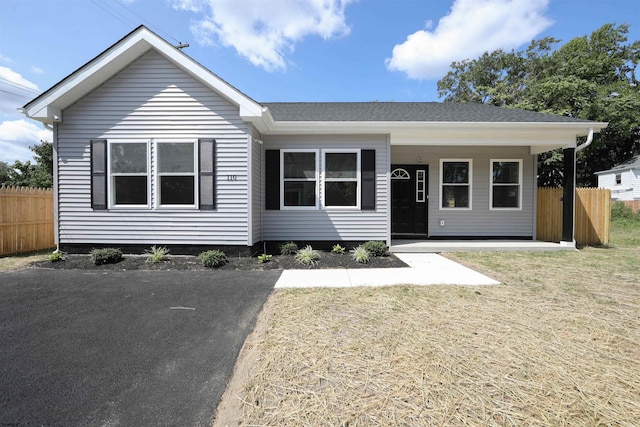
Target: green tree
<point>4,173</point>
<point>26,174</point>
<point>42,175</point>
<point>590,77</point>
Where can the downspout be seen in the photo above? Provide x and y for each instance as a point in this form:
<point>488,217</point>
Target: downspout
<point>587,142</point>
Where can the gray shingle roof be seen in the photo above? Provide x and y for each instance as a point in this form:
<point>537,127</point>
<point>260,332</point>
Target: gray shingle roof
<point>632,163</point>
<point>406,112</point>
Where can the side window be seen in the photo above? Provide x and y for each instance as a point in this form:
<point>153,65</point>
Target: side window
<point>299,178</point>
<point>506,184</point>
<point>129,174</point>
<point>618,178</point>
<point>162,174</point>
<point>455,184</point>
<point>176,174</point>
<point>341,179</point>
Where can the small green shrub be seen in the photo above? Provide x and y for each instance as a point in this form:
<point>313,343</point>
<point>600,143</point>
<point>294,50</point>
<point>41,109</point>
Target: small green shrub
<point>157,253</point>
<point>289,248</point>
<point>622,212</point>
<point>307,256</point>
<point>264,258</point>
<point>375,247</point>
<point>213,259</point>
<point>360,254</point>
<point>106,256</point>
<point>337,249</point>
<point>56,256</point>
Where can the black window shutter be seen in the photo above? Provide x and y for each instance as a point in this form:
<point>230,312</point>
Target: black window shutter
<point>207,173</point>
<point>368,179</point>
<point>99,174</point>
<point>272,179</point>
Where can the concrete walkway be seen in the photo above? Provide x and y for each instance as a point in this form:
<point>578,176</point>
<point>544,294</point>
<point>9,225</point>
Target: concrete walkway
<point>424,269</point>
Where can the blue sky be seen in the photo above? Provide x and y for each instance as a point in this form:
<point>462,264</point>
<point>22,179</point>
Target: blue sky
<point>282,50</point>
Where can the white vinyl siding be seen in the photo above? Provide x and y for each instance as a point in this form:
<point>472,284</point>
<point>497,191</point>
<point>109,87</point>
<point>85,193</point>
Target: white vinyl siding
<point>627,189</point>
<point>152,99</point>
<point>332,223</point>
<point>480,220</point>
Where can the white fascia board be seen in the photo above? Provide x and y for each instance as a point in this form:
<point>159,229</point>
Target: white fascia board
<point>263,123</point>
<point>110,62</point>
<point>417,128</point>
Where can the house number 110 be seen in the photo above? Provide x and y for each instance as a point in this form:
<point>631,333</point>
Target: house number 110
<point>232,177</point>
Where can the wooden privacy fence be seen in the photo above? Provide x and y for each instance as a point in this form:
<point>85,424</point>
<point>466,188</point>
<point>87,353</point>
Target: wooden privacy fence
<point>592,221</point>
<point>633,204</point>
<point>26,219</point>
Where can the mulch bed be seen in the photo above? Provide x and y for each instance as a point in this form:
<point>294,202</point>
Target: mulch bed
<point>184,263</point>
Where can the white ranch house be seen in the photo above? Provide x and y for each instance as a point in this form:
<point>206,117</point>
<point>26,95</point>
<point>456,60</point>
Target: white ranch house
<point>152,148</point>
<point>623,180</point>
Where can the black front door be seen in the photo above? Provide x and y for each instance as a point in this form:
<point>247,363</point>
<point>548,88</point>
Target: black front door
<point>409,196</point>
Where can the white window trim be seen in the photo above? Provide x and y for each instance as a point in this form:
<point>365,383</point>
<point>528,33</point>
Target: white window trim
<point>158,174</point>
<point>111,184</point>
<point>470,184</point>
<point>317,179</point>
<point>492,184</point>
<point>615,178</point>
<point>357,179</point>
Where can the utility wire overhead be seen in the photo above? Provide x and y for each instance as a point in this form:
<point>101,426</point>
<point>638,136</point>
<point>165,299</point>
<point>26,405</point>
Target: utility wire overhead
<point>18,85</point>
<point>154,27</point>
<point>121,16</point>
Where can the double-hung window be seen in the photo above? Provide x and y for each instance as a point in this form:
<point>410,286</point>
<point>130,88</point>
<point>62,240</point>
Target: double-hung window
<point>455,183</point>
<point>129,169</point>
<point>341,179</point>
<point>299,178</point>
<point>176,180</point>
<point>153,174</point>
<point>506,184</point>
<point>304,172</point>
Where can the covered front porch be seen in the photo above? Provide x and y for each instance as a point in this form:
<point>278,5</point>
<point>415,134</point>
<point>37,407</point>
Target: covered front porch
<point>437,246</point>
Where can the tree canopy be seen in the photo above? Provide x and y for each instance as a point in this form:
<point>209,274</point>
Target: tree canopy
<point>590,77</point>
<point>27,174</point>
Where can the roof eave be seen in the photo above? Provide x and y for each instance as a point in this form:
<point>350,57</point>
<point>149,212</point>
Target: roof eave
<point>575,128</point>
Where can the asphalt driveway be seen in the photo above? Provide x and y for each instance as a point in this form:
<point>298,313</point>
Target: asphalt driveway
<point>122,348</point>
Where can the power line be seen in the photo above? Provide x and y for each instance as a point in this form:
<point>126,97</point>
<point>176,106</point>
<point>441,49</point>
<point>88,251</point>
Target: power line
<point>19,86</point>
<point>16,94</point>
<point>156,28</point>
<point>113,13</point>
<point>127,21</point>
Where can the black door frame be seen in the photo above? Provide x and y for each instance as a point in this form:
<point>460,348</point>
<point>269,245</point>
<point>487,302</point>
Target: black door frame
<point>412,170</point>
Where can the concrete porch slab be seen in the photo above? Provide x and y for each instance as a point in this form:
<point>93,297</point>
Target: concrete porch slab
<point>436,246</point>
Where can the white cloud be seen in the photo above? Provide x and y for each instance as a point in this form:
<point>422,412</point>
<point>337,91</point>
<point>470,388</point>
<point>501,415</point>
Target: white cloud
<point>36,70</point>
<point>15,91</point>
<point>16,136</point>
<point>265,31</point>
<point>471,28</point>
<point>5,59</point>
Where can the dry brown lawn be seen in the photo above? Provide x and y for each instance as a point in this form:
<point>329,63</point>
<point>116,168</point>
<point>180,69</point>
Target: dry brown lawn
<point>558,343</point>
<point>16,262</point>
